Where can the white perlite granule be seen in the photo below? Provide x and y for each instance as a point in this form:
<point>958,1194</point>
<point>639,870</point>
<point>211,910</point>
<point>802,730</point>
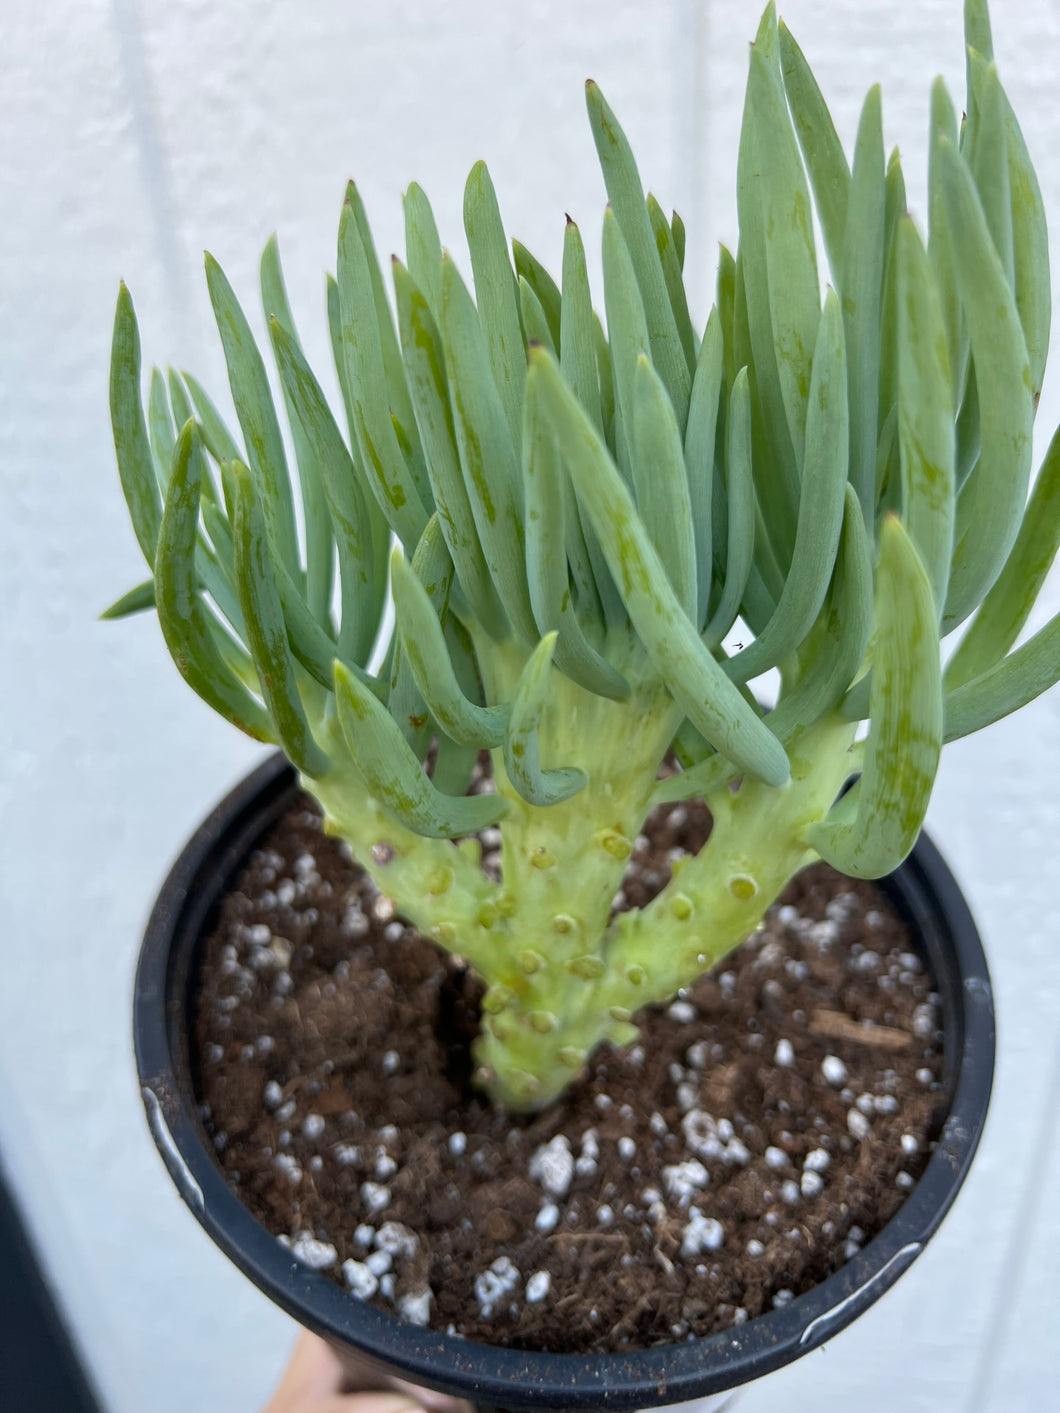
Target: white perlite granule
<point>415,1307</point>
<point>818,1160</point>
<point>360,1279</point>
<point>812,1184</point>
<point>313,1125</point>
<point>375,1196</point>
<point>590,1152</point>
<point>493,1285</point>
<point>379,1262</point>
<point>537,1287</point>
<point>784,1054</point>
<point>627,1148</point>
<point>318,1255</point>
<point>457,1144</point>
<point>684,1180</point>
<point>553,1166</point>
<point>834,1070</point>
<point>776,1158</point>
<point>858,1124</point>
<point>701,1234</point>
<point>290,1167</point>
<point>547,1217</point>
<point>396,1239</point>
<point>682,1011</point>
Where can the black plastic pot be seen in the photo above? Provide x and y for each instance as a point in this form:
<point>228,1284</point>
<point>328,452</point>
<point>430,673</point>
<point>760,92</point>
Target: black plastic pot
<point>925,893</point>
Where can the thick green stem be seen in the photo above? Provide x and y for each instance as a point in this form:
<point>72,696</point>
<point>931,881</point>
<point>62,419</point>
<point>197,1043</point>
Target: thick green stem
<point>561,976</point>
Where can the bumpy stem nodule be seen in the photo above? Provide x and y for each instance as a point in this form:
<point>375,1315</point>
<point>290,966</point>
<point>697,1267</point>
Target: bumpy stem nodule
<point>561,975</point>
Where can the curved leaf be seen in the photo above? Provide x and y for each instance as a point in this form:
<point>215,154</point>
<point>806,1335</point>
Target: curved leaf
<point>1010,684</point>
<point>699,453</point>
<point>429,388</point>
<point>626,195</point>
<point>496,293</point>
<point>1007,606</point>
<point>925,413</point>
<point>263,614</point>
<point>821,148</point>
<point>384,759</point>
<point>193,639</point>
<point>693,677</point>
<point>521,748</point>
<point>740,509</point>
<point>319,543</point>
<point>131,444</point>
<point>547,510</point>
<point>423,643</point>
<point>991,503</point>
<point>541,282</point>
<point>820,508</point>
<point>390,477</point>
<point>361,603</point>
<point>905,732</point>
<point>257,416</point>
<point>423,248</point>
<point>492,474</point>
<point>661,484</point>
<point>861,285</point>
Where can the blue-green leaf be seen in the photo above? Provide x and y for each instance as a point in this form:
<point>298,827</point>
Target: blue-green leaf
<point>424,646</point>
<point>740,511</point>
<point>319,543</point>
<point>1007,606</point>
<point>925,413</point>
<point>521,747</point>
<point>820,508</point>
<point>661,484</point>
<point>626,195</point>
<point>547,510</point>
<point>991,503</point>
<point>135,601</point>
<point>394,776</point>
<point>263,613</point>
<point>390,475</point>
<point>700,437</point>
<point>861,287</point>
<point>257,416</point>
<point>492,474</point>
<point>529,268</point>
<point>362,604</point>
<point>693,677</point>
<point>200,649</point>
<point>875,831</point>
<point>429,387</point>
<point>423,248</point>
<point>131,444</point>
<point>821,148</point>
<point>495,294</point>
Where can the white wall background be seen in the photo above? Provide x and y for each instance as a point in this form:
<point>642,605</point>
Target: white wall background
<point>133,135</point>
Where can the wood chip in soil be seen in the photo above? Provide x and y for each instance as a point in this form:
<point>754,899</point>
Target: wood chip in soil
<point>770,1123</point>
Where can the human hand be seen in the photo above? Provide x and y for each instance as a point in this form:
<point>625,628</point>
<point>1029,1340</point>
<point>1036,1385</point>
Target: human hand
<point>314,1380</point>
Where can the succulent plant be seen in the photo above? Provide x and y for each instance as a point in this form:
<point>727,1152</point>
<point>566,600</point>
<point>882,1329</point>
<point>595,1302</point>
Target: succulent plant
<point>582,518</point>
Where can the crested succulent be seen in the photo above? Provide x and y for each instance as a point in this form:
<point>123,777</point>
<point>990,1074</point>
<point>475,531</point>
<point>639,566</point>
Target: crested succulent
<point>582,517</point>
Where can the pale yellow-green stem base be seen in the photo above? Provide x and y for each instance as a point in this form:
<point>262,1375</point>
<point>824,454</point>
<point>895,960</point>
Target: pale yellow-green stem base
<point>561,976</point>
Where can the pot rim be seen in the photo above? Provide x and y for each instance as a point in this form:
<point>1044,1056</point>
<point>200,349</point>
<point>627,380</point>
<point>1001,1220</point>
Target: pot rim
<point>924,891</point>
